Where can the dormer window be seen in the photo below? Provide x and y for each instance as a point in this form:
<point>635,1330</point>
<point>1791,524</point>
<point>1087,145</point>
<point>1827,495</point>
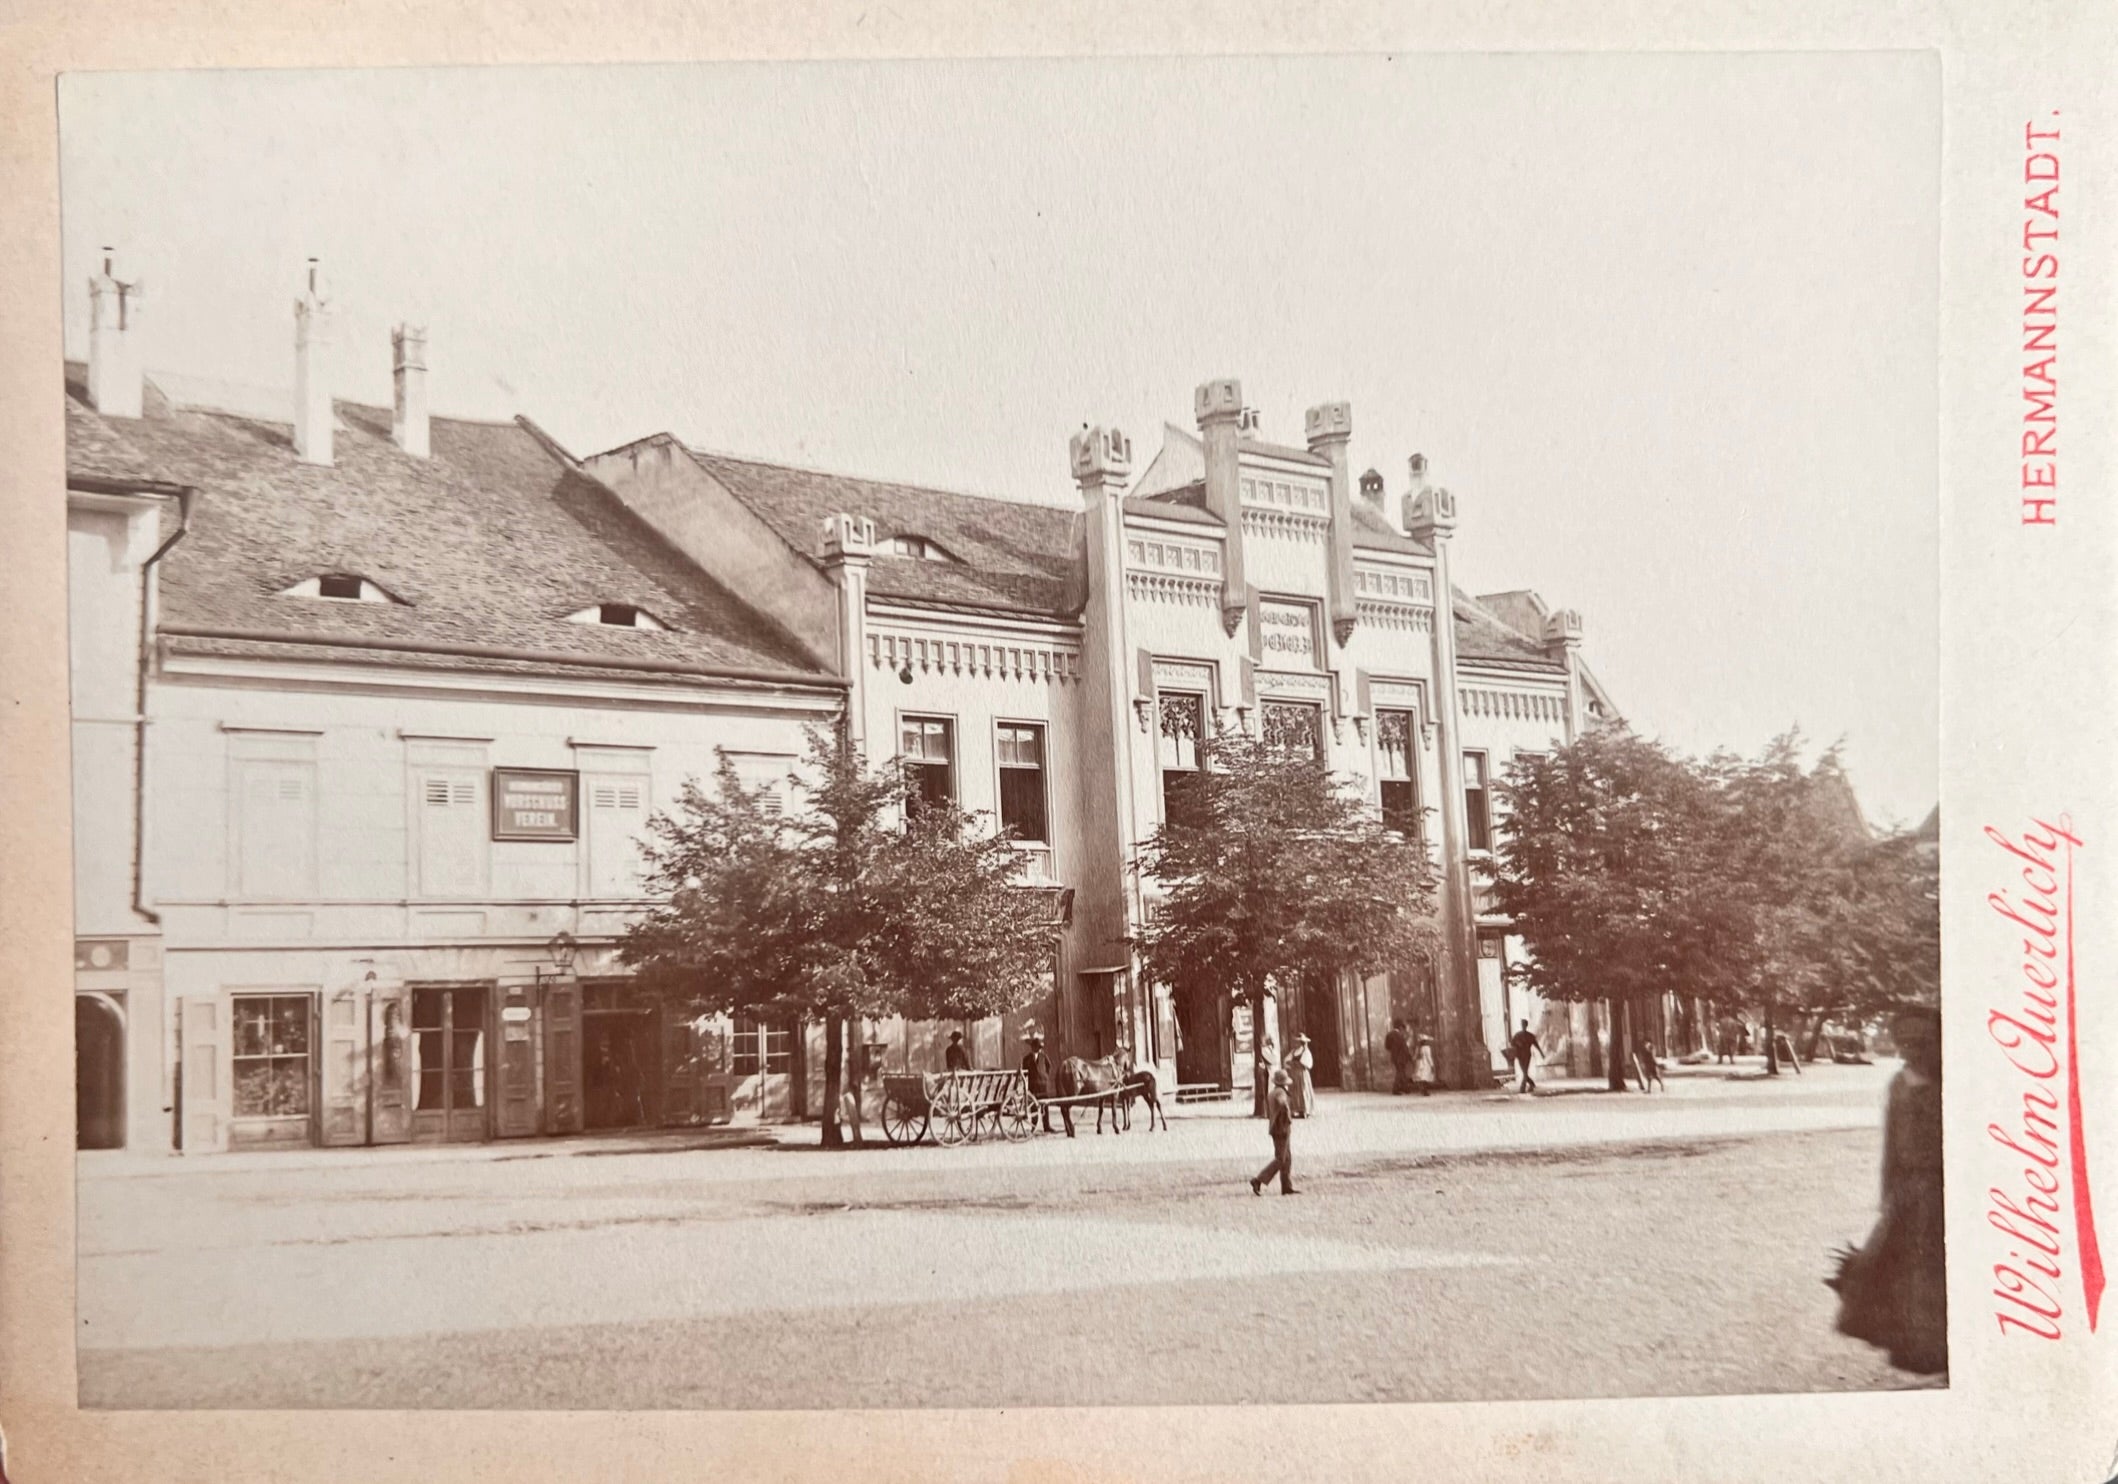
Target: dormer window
<point>918,548</point>
<point>617,616</point>
<point>341,587</point>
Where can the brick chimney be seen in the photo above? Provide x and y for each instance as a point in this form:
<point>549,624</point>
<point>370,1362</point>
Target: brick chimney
<point>313,416</point>
<point>1219,406</point>
<point>408,374</point>
<point>115,376</point>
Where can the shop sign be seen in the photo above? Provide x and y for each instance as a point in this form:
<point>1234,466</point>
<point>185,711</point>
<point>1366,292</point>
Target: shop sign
<point>1288,633</point>
<point>536,804</point>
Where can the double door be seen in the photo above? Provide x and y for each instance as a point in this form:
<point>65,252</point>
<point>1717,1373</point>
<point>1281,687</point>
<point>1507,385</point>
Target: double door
<point>448,1078</point>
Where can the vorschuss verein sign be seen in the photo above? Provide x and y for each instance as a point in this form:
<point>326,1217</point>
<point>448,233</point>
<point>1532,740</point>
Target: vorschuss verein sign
<point>536,804</point>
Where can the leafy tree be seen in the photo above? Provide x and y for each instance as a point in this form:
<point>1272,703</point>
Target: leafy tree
<point>1274,872</point>
<point>851,905</point>
<point>1598,863</point>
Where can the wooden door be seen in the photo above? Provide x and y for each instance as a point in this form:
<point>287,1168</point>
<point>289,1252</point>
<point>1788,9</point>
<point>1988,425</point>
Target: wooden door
<point>449,1062</point>
<point>203,1067</point>
<point>563,1110</point>
<point>341,1072</point>
<point>516,1073</point>
<point>389,1065</point>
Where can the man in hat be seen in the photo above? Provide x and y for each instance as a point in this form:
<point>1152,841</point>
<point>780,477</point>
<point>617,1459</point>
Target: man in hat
<point>1399,1045</point>
<point>1038,1067</point>
<point>1282,1129</point>
<point>956,1058</point>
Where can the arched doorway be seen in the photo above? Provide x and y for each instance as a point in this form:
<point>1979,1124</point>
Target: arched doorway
<point>99,1074</point>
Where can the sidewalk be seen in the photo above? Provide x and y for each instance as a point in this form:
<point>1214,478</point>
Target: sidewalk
<point>126,1163</point>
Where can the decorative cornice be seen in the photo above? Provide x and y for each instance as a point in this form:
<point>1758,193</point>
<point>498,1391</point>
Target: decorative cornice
<point>1291,524</point>
<point>1390,585</point>
<point>1513,705</point>
<point>1395,616</point>
<point>1165,587</point>
<point>977,658</point>
<point>1182,558</point>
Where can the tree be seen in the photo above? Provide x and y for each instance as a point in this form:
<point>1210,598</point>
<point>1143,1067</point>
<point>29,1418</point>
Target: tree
<point>1598,864</point>
<point>1274,872</point>
<point>852,905</point>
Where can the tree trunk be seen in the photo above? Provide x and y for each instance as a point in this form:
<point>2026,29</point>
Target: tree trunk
<point>856,1076</point>
<point>1772,1044</point>
<point>1620,1049</point>
<point>1260,1069</point>
<point>834,1064</point>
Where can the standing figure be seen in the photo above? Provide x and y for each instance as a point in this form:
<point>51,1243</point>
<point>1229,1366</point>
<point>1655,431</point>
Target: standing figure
<point>1423,1075</point>
<point>1400,1050</point>
<point>1037,1067</point>
<point>1649,1067</point>
<point>1281,1127</point>
<point>1522,1049</point>
<point>1893,1288</point>
<point>1302,1087</point>
<point>1725,1048</point>
<point>956,1058</point>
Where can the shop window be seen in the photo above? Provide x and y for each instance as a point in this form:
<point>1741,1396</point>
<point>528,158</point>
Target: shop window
<point>1292,727</point>
<point>271,1056</point>
<point>1477,802</point>
<point>1182,726</point>
<point>453,833</point>
<point>1022,800</point>
<point>275,827</point>
<point>930,760</point>
<point>617,819</point>
<point>1397,772</point>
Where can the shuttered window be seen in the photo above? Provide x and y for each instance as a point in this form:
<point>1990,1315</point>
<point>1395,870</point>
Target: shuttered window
<point>453,833</point>
<point>617,821</point>
<point>275,828</point>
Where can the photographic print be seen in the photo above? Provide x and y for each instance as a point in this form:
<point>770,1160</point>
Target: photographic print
<point>1006,734</point>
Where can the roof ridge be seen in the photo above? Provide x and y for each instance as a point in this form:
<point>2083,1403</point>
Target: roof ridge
<point>924,489</point>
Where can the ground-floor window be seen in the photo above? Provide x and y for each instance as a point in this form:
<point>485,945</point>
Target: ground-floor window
<point>755,1047</point>
<point>272,1051</point>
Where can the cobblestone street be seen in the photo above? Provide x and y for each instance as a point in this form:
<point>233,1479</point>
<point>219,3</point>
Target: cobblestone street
<point>1460,1247</point>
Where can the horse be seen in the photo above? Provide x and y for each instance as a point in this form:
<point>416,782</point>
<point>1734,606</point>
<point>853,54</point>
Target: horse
<point>1141,1084</point>
<point>1079,1077</point>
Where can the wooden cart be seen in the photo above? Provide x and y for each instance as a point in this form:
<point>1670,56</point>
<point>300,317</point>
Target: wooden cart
<point>957,1107</point>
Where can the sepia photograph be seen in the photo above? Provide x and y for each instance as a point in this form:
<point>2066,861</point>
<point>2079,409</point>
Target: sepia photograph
<point>799,735</point>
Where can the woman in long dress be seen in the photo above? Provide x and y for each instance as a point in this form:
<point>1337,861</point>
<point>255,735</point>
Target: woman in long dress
<point>1299,1063</point>
<point>1423,1063</point>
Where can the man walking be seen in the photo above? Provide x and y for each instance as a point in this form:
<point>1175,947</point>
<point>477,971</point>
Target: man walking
<point>1400,1058</point>
<point>1282,1129</point>
<point>1521,1046</point>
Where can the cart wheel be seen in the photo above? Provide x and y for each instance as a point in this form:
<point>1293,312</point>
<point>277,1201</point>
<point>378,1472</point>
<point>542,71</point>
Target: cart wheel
<point>901,1124</point>
<point>951,1126</point>
<point>1018,1119</point>
<point>989,1124</point>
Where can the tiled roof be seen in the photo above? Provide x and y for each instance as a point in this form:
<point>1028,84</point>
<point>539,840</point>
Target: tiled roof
<point>491,541</point>
<point>1483,639</point>
<point>1011,555</point>
<point>1372,529</point>
<point>1282,451</point>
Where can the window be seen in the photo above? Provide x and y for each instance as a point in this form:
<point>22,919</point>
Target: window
<point>341,587</point>
<point>617,616</point>
<point>617,819</point>
<point>755,1048</point>
<point>1022,782</point>
<point>1397,773</point>
<point>1183,724</point>
<point>930,760</point>
<point>452,832</point>
<point>919,548</point>
<point>271,1060</point>
<point>275,827</point>
<point>1292,726</point>
<point>1477,802</point>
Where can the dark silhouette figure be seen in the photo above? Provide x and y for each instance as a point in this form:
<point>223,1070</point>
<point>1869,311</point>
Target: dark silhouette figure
<point>1893,1288</point>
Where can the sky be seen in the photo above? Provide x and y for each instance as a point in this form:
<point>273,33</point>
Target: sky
<point>1665,325</point>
